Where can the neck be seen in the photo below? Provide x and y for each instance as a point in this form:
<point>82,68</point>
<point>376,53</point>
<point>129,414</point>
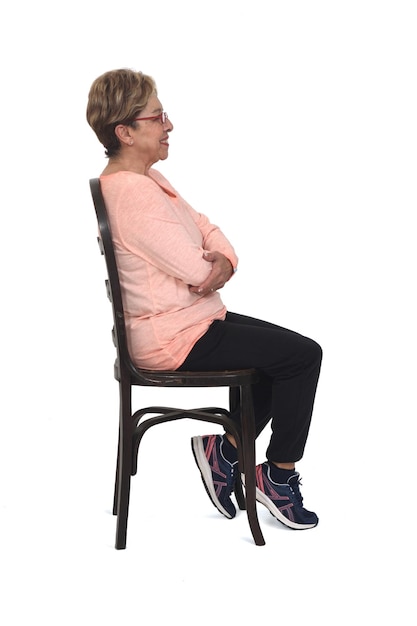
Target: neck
<point>123,163</point>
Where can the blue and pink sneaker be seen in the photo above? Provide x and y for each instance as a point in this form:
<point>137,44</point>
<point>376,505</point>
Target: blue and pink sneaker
<point>283,501</point>
<point>217,473</point>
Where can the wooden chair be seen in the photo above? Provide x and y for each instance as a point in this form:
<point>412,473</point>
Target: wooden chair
<point>132,426</point>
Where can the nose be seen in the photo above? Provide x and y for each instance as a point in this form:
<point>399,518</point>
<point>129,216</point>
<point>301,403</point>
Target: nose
<point>168,126</point>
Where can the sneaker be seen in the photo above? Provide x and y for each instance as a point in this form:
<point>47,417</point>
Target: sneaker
<point>283,501</point>
<point>217,473</point>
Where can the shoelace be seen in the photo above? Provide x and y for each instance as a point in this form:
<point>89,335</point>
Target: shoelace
<point>233,473</point>
<point>295,488</point>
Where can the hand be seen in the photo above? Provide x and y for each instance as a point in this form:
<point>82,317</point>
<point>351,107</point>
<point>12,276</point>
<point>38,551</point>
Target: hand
<point>221,272</point>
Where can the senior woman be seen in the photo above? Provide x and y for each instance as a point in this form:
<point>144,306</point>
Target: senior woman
<point>173,261</point>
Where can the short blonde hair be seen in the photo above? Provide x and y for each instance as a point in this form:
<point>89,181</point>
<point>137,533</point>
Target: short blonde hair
<point>117,97</point>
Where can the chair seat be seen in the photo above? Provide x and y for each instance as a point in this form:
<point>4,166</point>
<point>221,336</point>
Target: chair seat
<point>175,378</point>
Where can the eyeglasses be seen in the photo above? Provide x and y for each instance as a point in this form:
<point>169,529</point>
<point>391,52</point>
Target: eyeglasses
<point>162,117</point>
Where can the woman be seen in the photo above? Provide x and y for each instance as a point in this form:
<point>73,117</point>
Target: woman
<point>172,264</point>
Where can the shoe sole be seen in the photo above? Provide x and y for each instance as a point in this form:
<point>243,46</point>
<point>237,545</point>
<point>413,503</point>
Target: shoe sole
<point>275,512</point>
<point>205,471</point>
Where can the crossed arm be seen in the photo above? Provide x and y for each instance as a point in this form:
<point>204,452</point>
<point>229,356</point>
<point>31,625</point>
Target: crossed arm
<point>221,272</point>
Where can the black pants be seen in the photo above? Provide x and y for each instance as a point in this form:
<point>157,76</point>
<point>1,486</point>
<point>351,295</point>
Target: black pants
<point>289,365</point>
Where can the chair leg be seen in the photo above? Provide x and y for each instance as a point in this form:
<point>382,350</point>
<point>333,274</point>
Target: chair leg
<point>116,480</point>
<point>124,465</point>
<point>123,488</point>
<point>124,468</point>
<point>234,403</point>
<point>240,496</point>
<point>248,445</point>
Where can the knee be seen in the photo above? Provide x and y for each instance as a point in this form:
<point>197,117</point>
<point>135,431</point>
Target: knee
<point>315,352</point>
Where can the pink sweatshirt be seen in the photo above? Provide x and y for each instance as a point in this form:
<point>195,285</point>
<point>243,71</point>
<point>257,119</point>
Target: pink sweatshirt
<point>159,241</point>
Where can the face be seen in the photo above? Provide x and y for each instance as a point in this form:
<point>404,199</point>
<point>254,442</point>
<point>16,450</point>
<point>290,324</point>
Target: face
<point>150,137</point>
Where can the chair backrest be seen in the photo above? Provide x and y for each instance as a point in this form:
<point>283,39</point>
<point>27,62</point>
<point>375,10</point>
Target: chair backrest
<point>113,283</point>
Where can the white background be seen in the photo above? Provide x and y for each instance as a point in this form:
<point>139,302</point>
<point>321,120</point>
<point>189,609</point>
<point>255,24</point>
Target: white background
<point>295,131</point>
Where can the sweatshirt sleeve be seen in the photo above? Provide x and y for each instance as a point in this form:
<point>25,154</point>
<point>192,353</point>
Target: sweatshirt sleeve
<point>214,239</point>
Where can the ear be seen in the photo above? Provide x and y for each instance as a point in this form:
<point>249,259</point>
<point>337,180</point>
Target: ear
<point>122,132</point>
